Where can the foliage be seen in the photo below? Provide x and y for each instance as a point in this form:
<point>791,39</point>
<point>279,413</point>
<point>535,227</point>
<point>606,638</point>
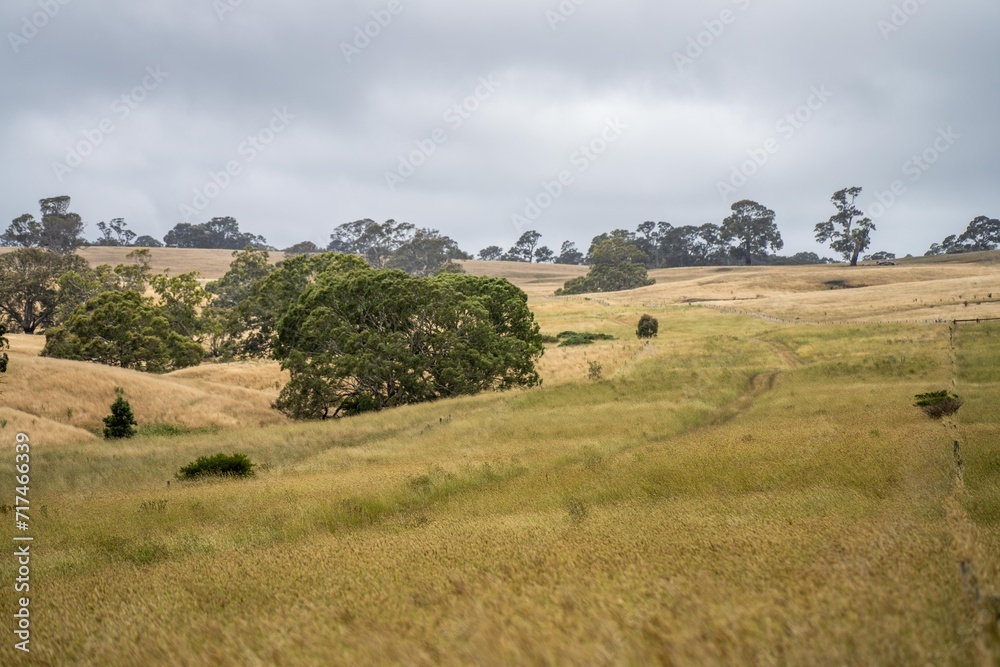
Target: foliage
<point>29,293</point>
<point>983,233</point>
<point>367,340</point>
<point>78,286</point>
<point>648,327</point>
<point>218,233</point>
<point>302,248</point>
<point>938,404</point>
<point>544,254</point>
<point>848,231</point>
<point>752,225</point>
<point>571,338</point>
<point>146,241</point>
<point>616,264</point>
<point>181,299</point>
<point>115,233</point>
<point>491,253</point>
<point>60,231</point>
<point>568,254</point>
<point>594,370</point>
<point>218,465</point>
<point>122,329</point>
<point>524,249</point>
<point>251,324</point>
<point>425,253</point>
<point>121,422</point>
<point>375,241</point>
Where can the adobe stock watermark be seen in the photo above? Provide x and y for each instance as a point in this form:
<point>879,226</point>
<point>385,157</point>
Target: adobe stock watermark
<point>562,13</point>
<point>35,23</point>
<point>247,151</point>
<point>914,169</point>
<point>223,8</point>
<point>121,108</point>
<point>363,35</point>
<point>454,118</point>
<point>581,159</point>
<point>699,43</point>
<point>22,541</point>
<point>899,17</point>
<point>786,127</point>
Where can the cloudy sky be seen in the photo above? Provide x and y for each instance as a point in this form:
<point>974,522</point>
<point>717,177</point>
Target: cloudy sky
<point>487,119</point>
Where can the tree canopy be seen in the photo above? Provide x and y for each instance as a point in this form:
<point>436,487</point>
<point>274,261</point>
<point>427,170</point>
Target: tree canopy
<point>752,226</point>
<point>29,286</point>
<point>615,264</point>
<point>368,340</point>
<point>59,230</point>
<point>122,329</point>
<point>218,233</point>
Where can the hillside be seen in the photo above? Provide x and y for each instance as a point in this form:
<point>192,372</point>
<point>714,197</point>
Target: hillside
<point>736,491</point>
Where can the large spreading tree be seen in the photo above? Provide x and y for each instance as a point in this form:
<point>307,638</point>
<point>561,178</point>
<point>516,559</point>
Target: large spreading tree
<point>122,329</point>
<point>752,226</point>
<point>59,230</point>
<point>29,286</point>
<point>367,340</point>
<point>849,230</point>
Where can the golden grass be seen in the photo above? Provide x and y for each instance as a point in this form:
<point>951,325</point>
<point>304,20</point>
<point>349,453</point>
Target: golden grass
<point>735,491</point>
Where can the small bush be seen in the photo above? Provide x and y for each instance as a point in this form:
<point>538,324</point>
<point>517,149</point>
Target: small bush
<point>549,339</point>
<point>569,338</point>
<point>594,370</point>
<point>648,327</point>
<point>218,465</point>
<point>121,422</point>
<point>938,404</point>
<point>576,509</point>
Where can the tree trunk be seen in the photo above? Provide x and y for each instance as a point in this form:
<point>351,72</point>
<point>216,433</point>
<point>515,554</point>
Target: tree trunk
<point>749,256</point>
<point>854,257</point>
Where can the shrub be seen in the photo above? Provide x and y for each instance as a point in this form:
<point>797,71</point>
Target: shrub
<point>218,465</point>
<point>938,404</point>
<point>648,327</point>
<point>569,338</point>
<point>594,370</point>
<point>121,422</point>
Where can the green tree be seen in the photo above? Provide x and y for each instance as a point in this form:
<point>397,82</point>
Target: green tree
<point>122,329</point>
<point>114,233</point>
<point>648,327</point>
<point>121,422</point>
<point>181,299</point>
<point>24,231</point>
<point>568,254</point>
<point>425,253</point>
<point>524,249</point>
<point>615,265</point>
<point>849,230</point>
<point>219,233</point>
<point>752,226</point>
<point>544,255</point>
<point>29,286</point>
<point>491,253</point>
<point>305,247</point>
<point>146,241</point>
<point>252,323</point>
<point>62,231</point>
<point>375,241</point>
<point>79,286</point>
<point>369,340</point>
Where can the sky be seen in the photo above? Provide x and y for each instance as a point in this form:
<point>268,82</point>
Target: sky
<point>485,120</point>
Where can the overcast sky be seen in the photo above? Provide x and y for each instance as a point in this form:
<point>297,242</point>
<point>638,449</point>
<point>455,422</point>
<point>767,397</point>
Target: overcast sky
<point>646,110</point>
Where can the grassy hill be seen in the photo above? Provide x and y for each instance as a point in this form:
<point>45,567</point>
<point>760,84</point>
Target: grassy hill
<point>739,490</point>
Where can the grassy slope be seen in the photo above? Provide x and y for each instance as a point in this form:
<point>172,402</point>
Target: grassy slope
<point>735,491</point>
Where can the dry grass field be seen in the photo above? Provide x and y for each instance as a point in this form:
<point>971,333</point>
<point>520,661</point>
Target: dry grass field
<point>740,490</point>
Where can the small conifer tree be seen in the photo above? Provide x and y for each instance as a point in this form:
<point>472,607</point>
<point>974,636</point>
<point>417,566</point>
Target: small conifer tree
<point>121,422</point>
<point>648,327</point>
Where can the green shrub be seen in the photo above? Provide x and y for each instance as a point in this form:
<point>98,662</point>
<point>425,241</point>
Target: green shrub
<point>121,422</point>
<point>648,327</point>
<point>938,404</point>
<point>569,338</point>
<point>218,465</point>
